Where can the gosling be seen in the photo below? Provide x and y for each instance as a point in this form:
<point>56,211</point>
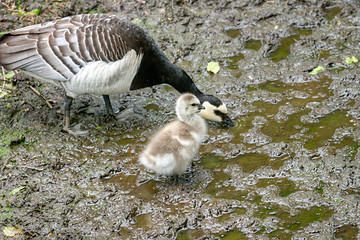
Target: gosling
<point>172,149</point>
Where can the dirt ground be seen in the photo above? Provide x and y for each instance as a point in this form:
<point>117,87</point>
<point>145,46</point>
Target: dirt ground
<point>289,169</point>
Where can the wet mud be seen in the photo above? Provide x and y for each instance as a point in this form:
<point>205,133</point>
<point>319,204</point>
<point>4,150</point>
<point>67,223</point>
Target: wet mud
<point>289,169</point>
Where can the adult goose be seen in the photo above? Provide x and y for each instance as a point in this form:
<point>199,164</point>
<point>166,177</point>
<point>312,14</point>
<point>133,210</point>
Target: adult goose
<point>98,54</point>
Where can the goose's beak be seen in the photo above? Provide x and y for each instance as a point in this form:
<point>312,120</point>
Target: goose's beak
<point>227,121</point>
<point>201,107</point>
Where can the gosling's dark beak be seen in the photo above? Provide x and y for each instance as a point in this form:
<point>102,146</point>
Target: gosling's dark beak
<point>201,107</point>
<point>228,122</point>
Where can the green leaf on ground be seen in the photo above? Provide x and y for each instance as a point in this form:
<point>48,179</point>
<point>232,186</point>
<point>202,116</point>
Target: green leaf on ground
<point>136,21</point>
<point>10,86</point>
<point>3,178</point>
<point>213,67</point>
<point>8,75</point>
<point>351,60</point>
<point>3,93</point>
<point>16,190</point>
<point>33,12</point>
<point>317,70</point>
<point>11,231</point>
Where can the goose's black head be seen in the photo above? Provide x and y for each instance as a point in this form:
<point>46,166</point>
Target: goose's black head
<point>214,109</point>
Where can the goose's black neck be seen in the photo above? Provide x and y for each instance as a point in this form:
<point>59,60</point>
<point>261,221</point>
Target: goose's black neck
<point>155,68</point>
<point>179,79</point>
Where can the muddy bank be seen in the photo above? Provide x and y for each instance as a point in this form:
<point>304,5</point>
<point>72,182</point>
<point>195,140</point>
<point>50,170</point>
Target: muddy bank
<point>288,169</point>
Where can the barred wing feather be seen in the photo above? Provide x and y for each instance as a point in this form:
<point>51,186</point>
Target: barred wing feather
<point>58,50</point>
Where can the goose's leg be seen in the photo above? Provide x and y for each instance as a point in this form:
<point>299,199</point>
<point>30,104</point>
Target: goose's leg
<point>68,101</point>
<point>118,115</point>
<point>108,106</point>
<point>67,106</point>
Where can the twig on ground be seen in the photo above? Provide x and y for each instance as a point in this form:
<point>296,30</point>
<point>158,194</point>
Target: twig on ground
<point>172,9</point>
<point>11,8</point>
<point>6,5</point>
<point>33,168</point>
<point>189,9</point>
<point>28,232</point>
<point>37,92</point>
<point>4,78</point>
<point>36,156</point>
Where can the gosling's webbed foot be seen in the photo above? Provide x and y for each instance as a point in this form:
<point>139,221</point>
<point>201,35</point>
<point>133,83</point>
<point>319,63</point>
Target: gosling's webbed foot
<point>175,179</point>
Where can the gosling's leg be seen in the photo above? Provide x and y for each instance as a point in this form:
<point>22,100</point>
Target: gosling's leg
<point>68,101</point>
<point>108,106</point>
<point>174,179</point>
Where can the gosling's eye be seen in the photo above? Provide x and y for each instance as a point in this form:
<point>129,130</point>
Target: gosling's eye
<point>194,104</point>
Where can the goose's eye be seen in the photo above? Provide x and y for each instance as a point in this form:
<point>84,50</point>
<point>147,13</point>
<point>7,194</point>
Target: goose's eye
<point>194,104</point>
<point>219,113</point>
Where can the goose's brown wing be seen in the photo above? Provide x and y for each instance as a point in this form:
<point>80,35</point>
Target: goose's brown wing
<point>57,50</point>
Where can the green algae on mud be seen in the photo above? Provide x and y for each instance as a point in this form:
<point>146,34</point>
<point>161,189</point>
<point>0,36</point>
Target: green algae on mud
<point>253,161</point>
<point>347,232</point>
<point>293,222</point>
<point>236,213</point>
<point>249,162</point>
<point>9,139</point>
<point>331,12</point>
<point>325,128</point>
<point>253,44</point>
<point>283,50</point>
<point>190,234</point>
<point>285,186</point>
<point>233,32</point>
<point>232,63</point>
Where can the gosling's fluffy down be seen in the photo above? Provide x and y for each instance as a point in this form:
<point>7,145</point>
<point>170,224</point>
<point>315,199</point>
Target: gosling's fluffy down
<point>172,149</point>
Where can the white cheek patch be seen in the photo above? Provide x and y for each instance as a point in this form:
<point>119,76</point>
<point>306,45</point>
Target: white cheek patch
<point>209,113</point>
<point>222,108</point>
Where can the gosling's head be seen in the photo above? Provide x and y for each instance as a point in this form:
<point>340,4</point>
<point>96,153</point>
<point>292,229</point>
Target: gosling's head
<point>215,110</point>
<point>187,106</point>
